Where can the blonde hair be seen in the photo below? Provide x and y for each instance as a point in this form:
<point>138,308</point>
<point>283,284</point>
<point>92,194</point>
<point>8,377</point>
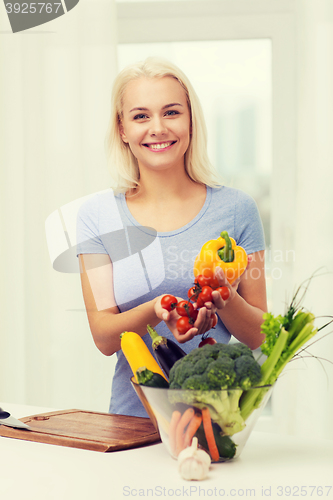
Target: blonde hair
<point>122,163</point>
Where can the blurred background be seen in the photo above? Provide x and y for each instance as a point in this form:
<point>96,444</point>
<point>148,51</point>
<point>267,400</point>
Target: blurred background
<point>263,70</point>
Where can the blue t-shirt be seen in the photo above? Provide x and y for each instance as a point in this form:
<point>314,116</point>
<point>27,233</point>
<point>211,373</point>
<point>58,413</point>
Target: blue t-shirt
<point>147,264</point>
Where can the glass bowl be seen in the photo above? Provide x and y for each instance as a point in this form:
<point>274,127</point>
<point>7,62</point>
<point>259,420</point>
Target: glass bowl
<point>230,430</point>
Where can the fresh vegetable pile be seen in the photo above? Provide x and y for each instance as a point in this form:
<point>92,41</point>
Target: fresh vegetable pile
<point>213,390</point>
<point>214,377</point>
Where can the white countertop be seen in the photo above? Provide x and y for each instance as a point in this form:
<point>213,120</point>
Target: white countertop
<point>269,465</point>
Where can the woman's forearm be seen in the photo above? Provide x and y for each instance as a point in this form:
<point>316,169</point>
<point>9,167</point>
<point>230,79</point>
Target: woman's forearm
<point>107,326</point>
<point>105,321</point>
<point>243,321</point>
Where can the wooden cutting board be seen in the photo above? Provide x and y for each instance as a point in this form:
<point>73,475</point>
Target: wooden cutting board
<point>87,430</point>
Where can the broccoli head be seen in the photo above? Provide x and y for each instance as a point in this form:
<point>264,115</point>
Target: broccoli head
<point>248,372</point>
<point>220,373</point>
<point>235,350</point>
<point>215,376</point>
<point>224,366</point>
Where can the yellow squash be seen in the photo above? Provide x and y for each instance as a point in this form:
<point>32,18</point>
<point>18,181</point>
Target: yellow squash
<point>137,354</point>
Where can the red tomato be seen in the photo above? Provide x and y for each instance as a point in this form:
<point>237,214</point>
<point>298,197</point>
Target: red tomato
<point>207,340</point>
<point>194,314</point>
<point>206,294</point>
<point>200,301</point>
<point>224,292</point>
<point>202,280</point>
<point>168,302</point>
<point>184,308</point>
<point>183,324</point>
<point>193,293</point>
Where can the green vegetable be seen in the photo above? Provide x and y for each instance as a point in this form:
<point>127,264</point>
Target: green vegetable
<point>148,378</point>
<point>215,376</point>
<point>285,335</point>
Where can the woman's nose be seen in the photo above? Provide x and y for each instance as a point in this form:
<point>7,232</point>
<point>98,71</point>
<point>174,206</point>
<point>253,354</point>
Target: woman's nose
<point>157,126</point>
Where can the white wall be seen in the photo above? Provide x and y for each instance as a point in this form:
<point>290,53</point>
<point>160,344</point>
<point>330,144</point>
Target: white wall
<point>55,95</point>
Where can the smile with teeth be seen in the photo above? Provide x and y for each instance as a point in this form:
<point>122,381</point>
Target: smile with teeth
<point>160,145</point>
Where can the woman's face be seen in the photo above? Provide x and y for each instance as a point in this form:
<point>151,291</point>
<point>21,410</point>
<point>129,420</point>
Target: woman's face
<point>156,122</point>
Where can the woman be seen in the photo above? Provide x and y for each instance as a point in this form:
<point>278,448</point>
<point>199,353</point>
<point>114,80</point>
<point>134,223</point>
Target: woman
<point>167,203</point>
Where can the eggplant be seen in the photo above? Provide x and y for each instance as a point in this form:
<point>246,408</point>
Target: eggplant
<point>166,351</point>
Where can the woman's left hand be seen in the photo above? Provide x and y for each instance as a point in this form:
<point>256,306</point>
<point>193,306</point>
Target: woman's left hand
<point>218,302</point>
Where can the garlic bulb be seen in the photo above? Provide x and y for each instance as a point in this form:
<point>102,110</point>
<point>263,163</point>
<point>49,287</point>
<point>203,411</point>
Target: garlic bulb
<point>193,464</point>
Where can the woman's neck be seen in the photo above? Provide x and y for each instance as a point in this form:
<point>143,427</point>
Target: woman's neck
<point>163,186</point>
<point>166,202</point>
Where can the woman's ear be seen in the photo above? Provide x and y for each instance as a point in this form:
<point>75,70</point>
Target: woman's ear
<point>122,132</point>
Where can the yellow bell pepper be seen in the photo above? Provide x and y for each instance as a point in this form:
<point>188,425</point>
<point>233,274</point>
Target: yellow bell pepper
<point>222,252</point>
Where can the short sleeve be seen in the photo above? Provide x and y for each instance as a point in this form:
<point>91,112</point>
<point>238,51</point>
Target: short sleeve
<point>87,228</point>
<point>248,225</point>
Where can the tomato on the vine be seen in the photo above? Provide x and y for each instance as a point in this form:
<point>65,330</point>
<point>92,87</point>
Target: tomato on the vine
<point>194,314</point>
<point>207,340</point>
<point>193,293</point>
<point>200,302</point>
<point>205,296</point>
<point>184,324</point>
<point>184,308</point>
<point>169,302</point>
<point>202,280</point>
<point>224,292</point>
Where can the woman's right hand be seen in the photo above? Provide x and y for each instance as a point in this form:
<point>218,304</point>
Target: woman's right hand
<point>202,324</point>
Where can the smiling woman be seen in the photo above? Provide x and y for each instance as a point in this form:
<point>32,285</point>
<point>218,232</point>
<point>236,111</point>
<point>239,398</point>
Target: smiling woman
<point>164,183</point>
<point>123,164</point>
<point>156,119</point>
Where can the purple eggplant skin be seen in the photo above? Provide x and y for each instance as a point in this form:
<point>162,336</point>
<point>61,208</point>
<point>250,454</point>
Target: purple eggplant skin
<point>166,351</point>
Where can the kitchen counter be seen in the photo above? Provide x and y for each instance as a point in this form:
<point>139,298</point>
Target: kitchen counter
<point>271,465</point>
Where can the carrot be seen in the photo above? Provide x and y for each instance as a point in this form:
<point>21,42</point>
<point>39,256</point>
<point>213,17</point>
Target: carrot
<point>192,428</point>
<point>172,430</point>
<point>185,419</point>
<point>209,433</point>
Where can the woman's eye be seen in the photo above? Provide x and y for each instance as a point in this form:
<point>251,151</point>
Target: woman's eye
<point>172,112</point>
<point>141,116</point>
